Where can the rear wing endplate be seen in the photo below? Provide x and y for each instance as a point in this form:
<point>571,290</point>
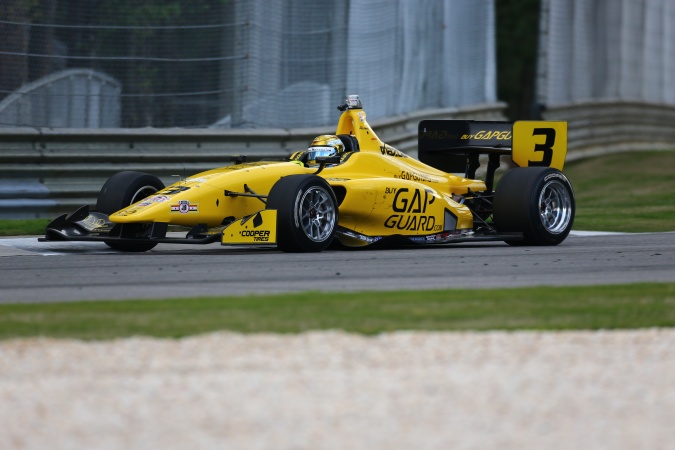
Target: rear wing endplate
<point>454,145</point>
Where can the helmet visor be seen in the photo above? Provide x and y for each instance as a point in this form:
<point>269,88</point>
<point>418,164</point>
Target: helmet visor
<point>315,152</point>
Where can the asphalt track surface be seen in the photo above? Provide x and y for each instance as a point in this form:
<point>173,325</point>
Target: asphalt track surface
<point>31,271</point>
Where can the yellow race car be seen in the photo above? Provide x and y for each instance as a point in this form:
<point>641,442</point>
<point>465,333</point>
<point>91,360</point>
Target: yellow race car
<point>350,189</point>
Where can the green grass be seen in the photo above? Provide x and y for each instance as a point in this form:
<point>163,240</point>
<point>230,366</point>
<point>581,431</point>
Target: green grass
<point>540,308</point>
<point>630,192</point>
<point>22,227</point>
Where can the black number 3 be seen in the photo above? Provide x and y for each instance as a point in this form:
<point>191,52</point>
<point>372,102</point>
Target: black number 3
<point>546,147</point>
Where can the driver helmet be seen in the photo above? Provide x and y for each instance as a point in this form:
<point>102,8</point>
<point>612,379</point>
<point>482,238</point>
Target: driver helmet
<point>325,145</point>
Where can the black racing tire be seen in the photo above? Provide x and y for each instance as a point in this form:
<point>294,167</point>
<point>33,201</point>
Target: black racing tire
<point>536,201</point>
<point>122,190</point>
<point>307,213</point>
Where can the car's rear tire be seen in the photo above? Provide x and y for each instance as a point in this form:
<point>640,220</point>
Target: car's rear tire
<point>307,213</point>
<point>122,190</point>
<point>536,201</point>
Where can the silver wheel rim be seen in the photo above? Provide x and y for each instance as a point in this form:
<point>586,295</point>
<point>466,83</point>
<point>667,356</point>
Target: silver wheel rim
<point>317,214</point>
<point>555,207</point>
<point>142,193</point>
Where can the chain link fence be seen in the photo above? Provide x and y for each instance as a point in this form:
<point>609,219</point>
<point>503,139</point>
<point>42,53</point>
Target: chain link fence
<point>238,63</point>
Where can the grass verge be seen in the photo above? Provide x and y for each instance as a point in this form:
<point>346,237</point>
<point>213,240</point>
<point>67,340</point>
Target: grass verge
<point>23,227</point>
<point>540,308</point>
<point>629,192</point>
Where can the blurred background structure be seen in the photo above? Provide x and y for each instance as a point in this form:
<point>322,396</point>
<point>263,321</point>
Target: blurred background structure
<point>91,87</point>
<point>608,68</point>
<point>239,63</point>
<point>606,50</point>
<point>257,64</point>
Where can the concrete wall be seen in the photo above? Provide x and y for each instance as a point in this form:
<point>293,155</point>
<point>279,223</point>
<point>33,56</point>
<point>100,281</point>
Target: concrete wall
<point>612,126</point>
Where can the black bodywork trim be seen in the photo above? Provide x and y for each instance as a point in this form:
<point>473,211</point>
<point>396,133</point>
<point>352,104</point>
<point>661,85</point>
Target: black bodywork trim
<point>444,237</point>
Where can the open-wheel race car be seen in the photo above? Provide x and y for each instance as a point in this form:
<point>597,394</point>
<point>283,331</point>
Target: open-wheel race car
<point>350,189</point>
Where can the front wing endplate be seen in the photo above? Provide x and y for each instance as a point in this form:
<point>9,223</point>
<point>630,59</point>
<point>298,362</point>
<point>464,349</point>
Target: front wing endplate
<point>258,228</point>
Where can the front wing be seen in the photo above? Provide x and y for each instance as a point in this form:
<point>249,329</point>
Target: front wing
<point>256,229</point>
<point>83,225</point>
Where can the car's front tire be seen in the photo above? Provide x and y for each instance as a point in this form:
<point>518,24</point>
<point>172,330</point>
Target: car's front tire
<point>122,190</point>
<point>307,213</point>
<point>536,201</point>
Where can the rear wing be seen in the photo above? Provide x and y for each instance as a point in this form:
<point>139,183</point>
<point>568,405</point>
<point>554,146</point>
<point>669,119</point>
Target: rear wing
<point>455,145</point>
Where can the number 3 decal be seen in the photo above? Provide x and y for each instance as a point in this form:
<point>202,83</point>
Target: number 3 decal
<point>539,143</point>
<point>546,147</point>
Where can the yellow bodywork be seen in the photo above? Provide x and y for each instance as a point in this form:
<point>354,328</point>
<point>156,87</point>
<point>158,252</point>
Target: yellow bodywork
<point>381,192</point>
<point>539,143</point>
<point>205,196</point>
<point>258,228</point>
